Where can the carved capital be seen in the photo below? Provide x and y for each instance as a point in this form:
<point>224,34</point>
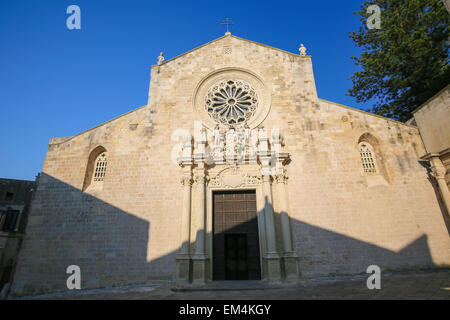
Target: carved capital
<point>186,181</point>
<point>281,178</point>
<point>199,178</point>
<point>438,172</point>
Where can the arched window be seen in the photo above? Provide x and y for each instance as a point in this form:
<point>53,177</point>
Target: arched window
<point>100,167</point>
<point>96,169</point>
<point>367,157</point>
<point>372,161</point>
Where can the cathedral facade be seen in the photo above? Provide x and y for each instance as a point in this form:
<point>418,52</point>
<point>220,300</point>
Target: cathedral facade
<point>234,170</point>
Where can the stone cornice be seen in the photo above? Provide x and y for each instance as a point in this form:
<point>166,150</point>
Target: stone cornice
<point>428,156</point>
<point>431,99</point>
<point>368,113</point>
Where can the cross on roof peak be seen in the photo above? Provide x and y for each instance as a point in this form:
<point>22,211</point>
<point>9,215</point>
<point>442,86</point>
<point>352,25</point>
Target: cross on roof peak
<point>227,22</point>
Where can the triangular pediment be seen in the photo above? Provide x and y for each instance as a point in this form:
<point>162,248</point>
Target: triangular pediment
<point>224,38</point>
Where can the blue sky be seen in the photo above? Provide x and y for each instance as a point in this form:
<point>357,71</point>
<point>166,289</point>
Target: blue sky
<point>56,82</point>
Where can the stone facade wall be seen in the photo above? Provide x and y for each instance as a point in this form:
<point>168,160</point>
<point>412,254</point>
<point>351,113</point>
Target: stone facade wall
<point>344,220</point>
<point>125,233</point>
<point>129,232</point>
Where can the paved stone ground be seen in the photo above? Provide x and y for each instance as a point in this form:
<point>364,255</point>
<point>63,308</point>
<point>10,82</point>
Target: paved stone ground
<point>411,285</point>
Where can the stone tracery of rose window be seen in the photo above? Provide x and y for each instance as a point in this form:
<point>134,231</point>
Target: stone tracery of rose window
<point>231,102</point>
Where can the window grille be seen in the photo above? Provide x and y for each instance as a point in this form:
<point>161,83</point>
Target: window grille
<point>100,167</point>
<point>367,158</point>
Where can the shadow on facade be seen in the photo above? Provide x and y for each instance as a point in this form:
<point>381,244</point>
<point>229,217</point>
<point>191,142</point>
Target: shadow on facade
<point>445,213</point>
<point>437,192</point>
<point>67,227</point>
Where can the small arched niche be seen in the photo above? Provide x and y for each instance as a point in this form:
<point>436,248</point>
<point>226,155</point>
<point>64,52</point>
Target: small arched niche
<point>96,169</point>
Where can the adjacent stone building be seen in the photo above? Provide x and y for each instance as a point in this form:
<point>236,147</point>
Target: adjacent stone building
<point>234,170</point>
<point>15,196</point>
<point>433,121</point>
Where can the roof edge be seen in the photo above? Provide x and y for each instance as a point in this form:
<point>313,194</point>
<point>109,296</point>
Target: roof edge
<point>431,99</point>
<point>17,180</point>
<point>369,113</point>
<point>225,36</point>
<point>85,131</point>
<point>430,155</point>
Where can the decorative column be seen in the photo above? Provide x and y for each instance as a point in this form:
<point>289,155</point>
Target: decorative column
<point>183,257</point>
<point>199,258</point>
<point>290,259</point>
<point>183,261</point>
<point>438,172</point>
<point>271,257</point>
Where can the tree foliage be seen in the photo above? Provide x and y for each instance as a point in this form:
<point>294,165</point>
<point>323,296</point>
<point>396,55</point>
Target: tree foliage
<point>406,61</point>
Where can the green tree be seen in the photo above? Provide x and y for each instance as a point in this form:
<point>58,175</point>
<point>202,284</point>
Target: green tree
<point>405,62</point>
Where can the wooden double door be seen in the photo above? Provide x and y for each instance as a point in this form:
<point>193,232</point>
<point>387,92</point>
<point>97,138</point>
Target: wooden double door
<point>236,253</point>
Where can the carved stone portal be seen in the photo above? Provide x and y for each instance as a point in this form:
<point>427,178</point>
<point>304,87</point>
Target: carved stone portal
<point>278,261</point>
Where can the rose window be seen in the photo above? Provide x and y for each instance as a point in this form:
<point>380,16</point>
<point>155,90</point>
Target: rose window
<point>231,102</point>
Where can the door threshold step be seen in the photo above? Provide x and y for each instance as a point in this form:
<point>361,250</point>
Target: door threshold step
<point>227,286</point>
